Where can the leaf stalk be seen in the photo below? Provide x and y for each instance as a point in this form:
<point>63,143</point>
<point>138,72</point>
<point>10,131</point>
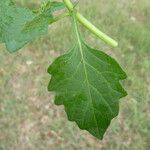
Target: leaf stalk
<point>57,18</point>
<point>90,26</point>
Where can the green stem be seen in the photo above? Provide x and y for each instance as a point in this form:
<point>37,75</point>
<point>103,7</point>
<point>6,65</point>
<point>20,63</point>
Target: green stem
<point>60,17</point>
<point>90,26</point>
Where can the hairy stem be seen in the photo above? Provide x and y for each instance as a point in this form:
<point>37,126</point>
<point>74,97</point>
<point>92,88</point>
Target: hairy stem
<point>90,26</point>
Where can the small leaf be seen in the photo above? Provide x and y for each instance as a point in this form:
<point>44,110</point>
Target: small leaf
<point>86,82</point>
<point>18,26</point>
<point>55,6</point>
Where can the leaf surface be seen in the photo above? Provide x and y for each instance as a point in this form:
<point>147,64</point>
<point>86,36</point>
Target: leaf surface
<point>18,26</point>
<point>86,82</point>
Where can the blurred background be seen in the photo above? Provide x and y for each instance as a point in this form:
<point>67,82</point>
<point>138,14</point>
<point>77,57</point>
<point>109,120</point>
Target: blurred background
<point>29,120</point>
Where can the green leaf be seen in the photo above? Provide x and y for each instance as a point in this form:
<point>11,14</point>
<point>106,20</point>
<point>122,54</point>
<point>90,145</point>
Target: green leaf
<point>18,26</point>
<point>86,82</point>
<point>55,6</point>
<point>1,39</point>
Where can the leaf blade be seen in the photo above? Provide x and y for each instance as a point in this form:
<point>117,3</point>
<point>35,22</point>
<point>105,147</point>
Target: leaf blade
<point>86,82</point>
<point>19,26</point>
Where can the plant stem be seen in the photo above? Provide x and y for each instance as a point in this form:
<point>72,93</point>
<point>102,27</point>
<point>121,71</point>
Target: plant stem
<point>57,18</point>
<point>90,26</point>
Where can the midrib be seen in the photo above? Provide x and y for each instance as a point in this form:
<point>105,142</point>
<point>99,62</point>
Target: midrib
<point>85,71</point>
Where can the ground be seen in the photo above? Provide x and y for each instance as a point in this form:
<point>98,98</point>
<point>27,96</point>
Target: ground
<point>29,120</point>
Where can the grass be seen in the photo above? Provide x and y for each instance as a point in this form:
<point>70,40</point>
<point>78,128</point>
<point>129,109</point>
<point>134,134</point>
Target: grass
<point>29,120</point>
